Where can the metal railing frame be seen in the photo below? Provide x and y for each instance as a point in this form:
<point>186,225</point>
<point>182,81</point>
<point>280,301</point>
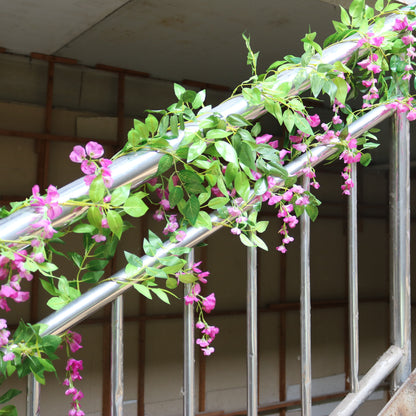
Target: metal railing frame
<point>139,167</point>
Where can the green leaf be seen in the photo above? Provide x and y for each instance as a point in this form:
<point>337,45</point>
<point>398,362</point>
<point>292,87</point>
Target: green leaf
<point>56,303</point>
<point>97,189</point>
<point>261,226</point>
<point>195,150</point>
<point>179,251</point>
<point>163,125</point>
<point>151,123</point>
<point>217,134</point>
<point>155,272</point>
<point>230,173</point>
<point>165,163</point>
<point>274,109</point>
<point>218,202</point>
<point>175,195</point>
<point>155,240</point>
<point>143,290</point>
<point>237,120</point>
<point>317,83</point>
<point>171,260</point>
<point>342,89</point>
<point>357,8</point>
<point>195,188</point>
<point>312,211</point>
<point>179,90</point>
<point>246,241</point>
<point>133,259</point>
<point>76,258</point>
<point>84,229</point>
<point>133,137</point>
<point>115,222</point>
<point>227,152</point>
<point>203,220</point>
<point>365,159</point>
<point>288,119</point>
<point>261,186</point>
<point>49,287</point>
<point>191,209</point>
<point>187,278</point>
<point>247,155</point>
<point>174,125</point>
<point>9,395</point>
<point>199,100</point>
<point>302,124</point>
<point>259,242</point>
<point>161,294</point>
<point>330,88</point>
<point>97,265</point>
<point>187,176</point>
<point>171,283</point>
<point>242,185</point>
<point>379,5</point>
<point>345,18</point>
<point>120,195</point>
<point>135,207</point>
<point>94,216</point>
<point>8,410</point>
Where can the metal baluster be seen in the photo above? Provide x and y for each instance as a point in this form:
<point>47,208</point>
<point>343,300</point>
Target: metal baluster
<point>189,352</point>
<point>33,396</point>
<point>252,401</point>
<point>305,311</point>
<point>353,280</point>
<point>400,244</point>
<point>117,383</point>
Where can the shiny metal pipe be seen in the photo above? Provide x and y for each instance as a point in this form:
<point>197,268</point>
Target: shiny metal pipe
<point>252,359</point>
<point>97,297</point>
<point>377,373</point>
<point>305,310</point>
<point>189,351</point>
<point>353,281</point>
<point>139,167</point>
<point>400,307</point>
<point>32,397</point>
<point>117,357</point>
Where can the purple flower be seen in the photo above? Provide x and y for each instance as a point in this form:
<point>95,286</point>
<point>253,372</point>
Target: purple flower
<point>88,167</point>
<point>263,139</point>
<point>208,304</point>
<point>9,356</point>
<point>78,154</point>
<point>208,350</point>
<point>94,150</point>
<point>98,238</point>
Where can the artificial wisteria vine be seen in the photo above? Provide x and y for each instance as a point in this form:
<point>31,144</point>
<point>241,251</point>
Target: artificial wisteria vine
<point>228,166</point>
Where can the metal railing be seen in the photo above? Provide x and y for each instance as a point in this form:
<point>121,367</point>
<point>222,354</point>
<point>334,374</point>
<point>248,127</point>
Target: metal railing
<point>139,167</point>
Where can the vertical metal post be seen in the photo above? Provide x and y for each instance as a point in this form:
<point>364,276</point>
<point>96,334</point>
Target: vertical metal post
<point>252,400</point>
<point>33,397</point>
<point>117,385</point>
<point>305,311</point>
<point>189,353</point>
<point>400,244</point>
<point>353,280</point>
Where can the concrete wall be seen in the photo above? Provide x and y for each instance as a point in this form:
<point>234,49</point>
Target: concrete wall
<point>85,104</point>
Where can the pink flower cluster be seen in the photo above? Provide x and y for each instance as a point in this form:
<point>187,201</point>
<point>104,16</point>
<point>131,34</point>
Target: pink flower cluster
<point>8,355</point>
<point>13,270</point>
<point>73,367</point>
<point>92,164</point>
<point>295,195</point>
<point>204,304</point>
<point>49,207</point>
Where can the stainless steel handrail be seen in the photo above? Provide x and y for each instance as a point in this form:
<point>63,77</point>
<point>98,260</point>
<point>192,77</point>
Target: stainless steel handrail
<point>105,292</point>
<point>138,167</point>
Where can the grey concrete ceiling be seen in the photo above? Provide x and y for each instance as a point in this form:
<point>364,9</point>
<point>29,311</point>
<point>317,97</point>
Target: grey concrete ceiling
<point>171,39</point>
